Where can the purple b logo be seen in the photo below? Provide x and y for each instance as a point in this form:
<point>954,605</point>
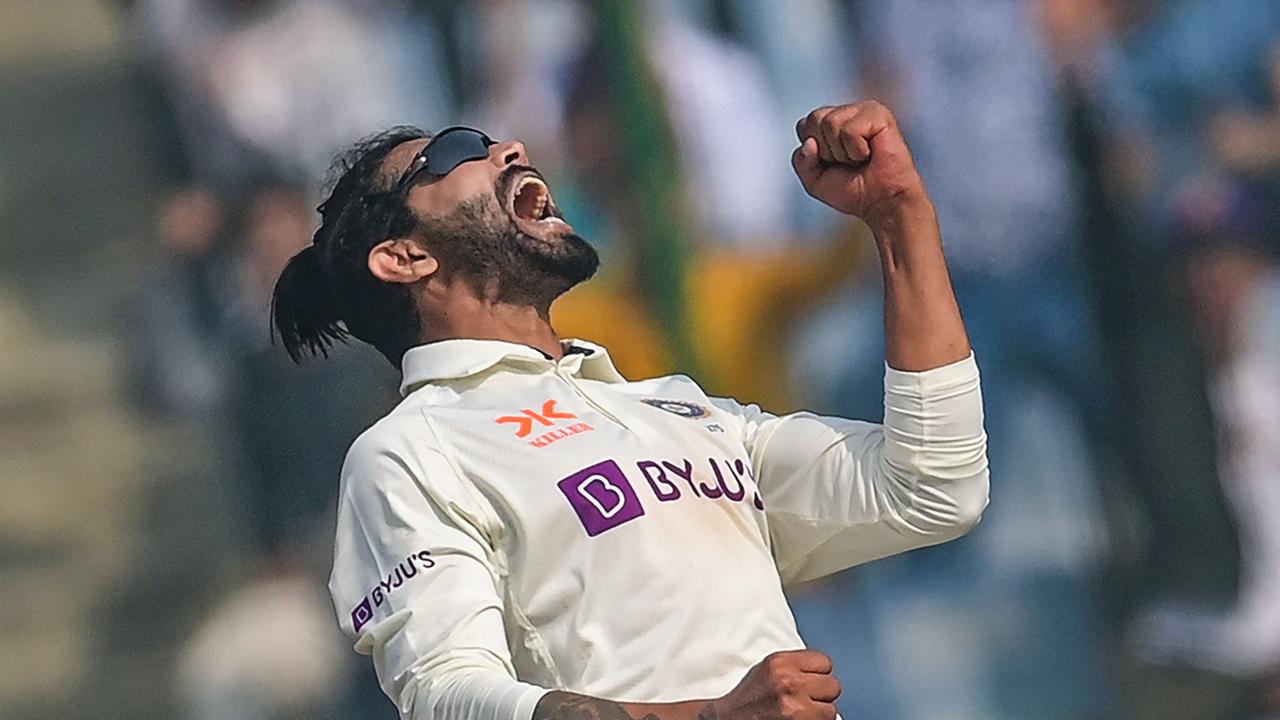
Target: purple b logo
<point>361,615</point>
<point>602,497</point>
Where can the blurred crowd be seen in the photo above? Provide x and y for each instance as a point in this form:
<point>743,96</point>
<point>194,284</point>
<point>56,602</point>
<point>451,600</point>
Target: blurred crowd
<point>1107,175</point>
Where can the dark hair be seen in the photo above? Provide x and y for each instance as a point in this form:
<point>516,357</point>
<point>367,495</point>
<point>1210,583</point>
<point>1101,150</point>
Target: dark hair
<point>326,292</point>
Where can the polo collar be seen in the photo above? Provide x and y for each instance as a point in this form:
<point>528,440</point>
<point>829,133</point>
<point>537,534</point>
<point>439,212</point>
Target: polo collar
<point>460,358</point>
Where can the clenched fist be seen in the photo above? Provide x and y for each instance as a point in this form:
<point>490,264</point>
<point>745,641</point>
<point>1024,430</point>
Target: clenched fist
<point>854,159</point>
<point>790,685</point>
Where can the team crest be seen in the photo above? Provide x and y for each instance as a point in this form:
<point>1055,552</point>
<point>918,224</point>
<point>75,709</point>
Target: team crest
<point>684,409</point>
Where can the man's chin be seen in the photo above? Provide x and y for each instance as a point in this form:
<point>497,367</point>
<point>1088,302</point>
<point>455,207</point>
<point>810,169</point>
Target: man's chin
<point>566,256</point>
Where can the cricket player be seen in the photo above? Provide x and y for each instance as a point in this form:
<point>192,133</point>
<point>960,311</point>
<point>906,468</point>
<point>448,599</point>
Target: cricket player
<point>531,535</point>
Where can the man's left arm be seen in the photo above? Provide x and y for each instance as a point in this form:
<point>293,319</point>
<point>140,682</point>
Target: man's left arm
<point>838,493</point>
<point>842,492</point>
<point>854,159</point>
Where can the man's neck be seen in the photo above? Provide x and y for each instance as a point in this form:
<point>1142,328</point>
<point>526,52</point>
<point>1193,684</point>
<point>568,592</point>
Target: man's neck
<point>475,319</point>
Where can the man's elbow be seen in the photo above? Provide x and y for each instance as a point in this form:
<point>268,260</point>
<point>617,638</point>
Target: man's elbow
<point>971,500</point>
<point>950,485</point>
<point>941,507</point>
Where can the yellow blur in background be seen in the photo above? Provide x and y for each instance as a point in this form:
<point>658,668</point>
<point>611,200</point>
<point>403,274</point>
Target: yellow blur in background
<point>1107,176</point>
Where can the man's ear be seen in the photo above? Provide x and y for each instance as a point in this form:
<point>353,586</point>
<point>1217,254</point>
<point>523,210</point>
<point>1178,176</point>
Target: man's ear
<point>401,261</point>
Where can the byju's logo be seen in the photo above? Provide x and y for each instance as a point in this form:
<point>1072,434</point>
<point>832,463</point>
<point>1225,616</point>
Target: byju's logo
<point>403,572</point>
<point>362,614</point>
<point>602,496</point>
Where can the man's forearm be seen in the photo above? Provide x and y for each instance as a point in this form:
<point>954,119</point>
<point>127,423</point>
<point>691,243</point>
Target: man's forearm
<point>794,684</point>
<point>922,323</point>
<point>557,705</point>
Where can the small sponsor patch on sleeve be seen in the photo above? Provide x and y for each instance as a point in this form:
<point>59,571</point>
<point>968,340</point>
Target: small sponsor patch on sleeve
<point>403,572</point>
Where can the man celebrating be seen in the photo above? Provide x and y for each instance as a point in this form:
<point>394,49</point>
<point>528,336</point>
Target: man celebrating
<point>530,535</point>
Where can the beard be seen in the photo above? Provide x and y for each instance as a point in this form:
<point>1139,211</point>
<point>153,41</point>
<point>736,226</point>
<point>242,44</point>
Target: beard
<point>480,244</point>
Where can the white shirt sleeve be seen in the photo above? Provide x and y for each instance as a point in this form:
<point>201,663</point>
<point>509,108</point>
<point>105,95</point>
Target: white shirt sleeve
<point>416,586</point>
<point>842,492</point>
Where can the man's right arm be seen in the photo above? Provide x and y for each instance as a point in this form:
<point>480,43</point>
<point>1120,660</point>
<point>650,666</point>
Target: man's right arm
<point>417,585</point>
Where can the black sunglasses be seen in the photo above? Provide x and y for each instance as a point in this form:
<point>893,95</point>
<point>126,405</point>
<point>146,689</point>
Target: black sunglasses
<point>447,150</point>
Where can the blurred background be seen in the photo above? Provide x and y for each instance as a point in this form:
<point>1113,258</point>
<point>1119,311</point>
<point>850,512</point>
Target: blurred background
<point>1108,179</point>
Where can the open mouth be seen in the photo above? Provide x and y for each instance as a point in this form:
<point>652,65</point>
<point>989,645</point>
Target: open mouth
<point>532,200</point>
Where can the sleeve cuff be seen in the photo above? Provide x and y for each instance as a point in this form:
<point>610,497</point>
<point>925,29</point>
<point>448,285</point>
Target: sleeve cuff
<point>957,377</point>
<point>528,700</point>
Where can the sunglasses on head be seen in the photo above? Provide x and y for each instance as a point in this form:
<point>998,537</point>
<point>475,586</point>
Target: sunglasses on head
<point>448,149</point>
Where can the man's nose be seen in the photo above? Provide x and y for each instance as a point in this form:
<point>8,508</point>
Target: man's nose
<point>508,153</point>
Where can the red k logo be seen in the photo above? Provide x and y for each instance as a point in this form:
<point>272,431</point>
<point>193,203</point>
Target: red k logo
<point>527,418</point>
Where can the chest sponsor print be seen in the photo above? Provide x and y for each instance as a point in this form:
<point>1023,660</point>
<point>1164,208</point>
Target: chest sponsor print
<point>603,496</point>
<point>547,416</point>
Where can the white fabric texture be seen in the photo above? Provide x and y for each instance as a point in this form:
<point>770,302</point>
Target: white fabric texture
<point>843,492</point>
<point>519,524</point>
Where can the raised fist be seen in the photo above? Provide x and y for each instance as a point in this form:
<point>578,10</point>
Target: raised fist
<point>790,685</point>
<point>854,159</point>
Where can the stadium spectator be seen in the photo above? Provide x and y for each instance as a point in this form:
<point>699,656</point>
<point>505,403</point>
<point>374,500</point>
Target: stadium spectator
<point>277,86</point>
<point>177,369</point>
<point>741,289</point>
<point>1147,185</point>
<point>1173,97</point>
<point>1207,660</point>
<point>1186,86</point>
<point>278,430</point>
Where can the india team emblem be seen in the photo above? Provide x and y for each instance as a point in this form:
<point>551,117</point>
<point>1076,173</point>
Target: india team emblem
<point>683,408</point>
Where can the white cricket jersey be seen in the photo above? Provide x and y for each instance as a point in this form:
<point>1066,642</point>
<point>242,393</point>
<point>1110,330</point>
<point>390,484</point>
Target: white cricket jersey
<point>519,524</point>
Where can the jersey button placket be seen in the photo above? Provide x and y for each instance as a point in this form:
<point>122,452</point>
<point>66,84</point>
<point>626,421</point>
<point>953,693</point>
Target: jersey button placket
<point>565,370</point>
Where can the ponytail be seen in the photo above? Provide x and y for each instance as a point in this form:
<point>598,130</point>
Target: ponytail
<point>326,292</point>
<point>303,310</point>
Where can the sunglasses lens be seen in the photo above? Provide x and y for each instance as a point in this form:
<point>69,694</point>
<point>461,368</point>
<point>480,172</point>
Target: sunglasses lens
<point>451,148</point>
